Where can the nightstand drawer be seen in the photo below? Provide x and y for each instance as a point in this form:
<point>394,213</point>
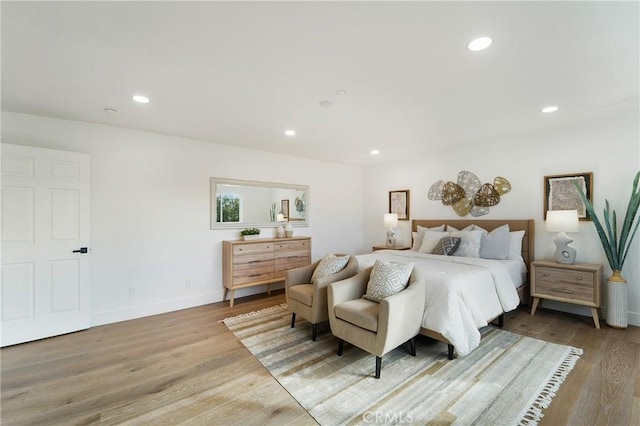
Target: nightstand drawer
<point>576,285</point>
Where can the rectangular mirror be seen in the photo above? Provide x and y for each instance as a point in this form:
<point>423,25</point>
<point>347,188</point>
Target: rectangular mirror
<point>242,204</point>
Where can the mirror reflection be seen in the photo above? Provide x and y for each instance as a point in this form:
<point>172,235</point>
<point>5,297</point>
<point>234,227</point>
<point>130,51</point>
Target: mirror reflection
<point>239,203</point>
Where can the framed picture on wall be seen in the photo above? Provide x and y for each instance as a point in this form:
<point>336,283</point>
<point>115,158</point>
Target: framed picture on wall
<point>560,193</point>
<point>284,208</point>
<point>399,203</point>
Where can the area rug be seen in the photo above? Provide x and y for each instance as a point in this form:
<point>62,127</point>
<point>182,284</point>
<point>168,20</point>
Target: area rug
<point>508,380</point>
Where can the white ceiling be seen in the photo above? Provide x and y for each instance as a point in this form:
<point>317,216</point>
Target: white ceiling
<point>241,73</point>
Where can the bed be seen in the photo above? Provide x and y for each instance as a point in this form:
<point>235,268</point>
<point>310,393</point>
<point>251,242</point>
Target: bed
<point>465,294</point>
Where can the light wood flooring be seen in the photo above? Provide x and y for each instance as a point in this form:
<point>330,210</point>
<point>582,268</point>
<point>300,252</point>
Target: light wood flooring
<point>186,367</point>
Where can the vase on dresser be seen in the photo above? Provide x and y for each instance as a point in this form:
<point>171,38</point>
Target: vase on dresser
<point>617,310</point>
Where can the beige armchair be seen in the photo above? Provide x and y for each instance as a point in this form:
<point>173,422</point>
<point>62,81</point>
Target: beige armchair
<point>375,327</point>
<point>309,299</point>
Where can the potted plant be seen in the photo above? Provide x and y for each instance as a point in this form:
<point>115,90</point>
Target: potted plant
<point>616,242</point>
<point>250,234</point>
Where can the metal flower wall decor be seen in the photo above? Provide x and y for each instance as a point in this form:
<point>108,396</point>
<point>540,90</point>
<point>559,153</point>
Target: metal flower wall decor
<point>469,194</point>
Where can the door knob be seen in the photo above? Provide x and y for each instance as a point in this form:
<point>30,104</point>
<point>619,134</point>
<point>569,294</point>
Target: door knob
<point>82,250</point>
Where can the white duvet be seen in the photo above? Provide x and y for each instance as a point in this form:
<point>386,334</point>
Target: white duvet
<point>462,293</point>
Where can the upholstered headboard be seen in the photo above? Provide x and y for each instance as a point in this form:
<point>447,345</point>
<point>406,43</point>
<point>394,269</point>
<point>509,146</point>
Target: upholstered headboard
<point>526,225</point>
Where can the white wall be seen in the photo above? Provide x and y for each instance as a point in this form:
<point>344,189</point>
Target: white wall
<point>150,217</point>
<point>608,147</point>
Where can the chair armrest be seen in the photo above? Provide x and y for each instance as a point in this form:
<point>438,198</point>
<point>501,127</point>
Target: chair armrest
<point>300,275</point>
<point>348,289</point>
<point>401,315</point>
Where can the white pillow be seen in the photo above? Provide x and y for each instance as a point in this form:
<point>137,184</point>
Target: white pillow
<point>515,245</point>
<point>469,243</point>
<point>329,264</point>
<point>430,239</point>
<point>417,238</point>
<point>495,244</point>
<point>387,279</point>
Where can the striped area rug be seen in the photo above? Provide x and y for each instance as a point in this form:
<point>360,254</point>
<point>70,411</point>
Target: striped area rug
<point>508,380</point>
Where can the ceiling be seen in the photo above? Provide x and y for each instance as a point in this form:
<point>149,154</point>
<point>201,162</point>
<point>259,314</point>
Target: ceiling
<point>241,73</point>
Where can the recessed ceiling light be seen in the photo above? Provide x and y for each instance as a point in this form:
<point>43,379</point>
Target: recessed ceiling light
<point>480,43</point>
<point>548,109</point>
<point>290,132</point>
<point>140,99</point>
<point>325,104</point>
<point>375,152</point>
<point>341,92</point>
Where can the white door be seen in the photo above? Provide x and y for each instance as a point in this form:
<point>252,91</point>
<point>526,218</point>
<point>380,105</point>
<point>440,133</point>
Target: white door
<point>44,226</point>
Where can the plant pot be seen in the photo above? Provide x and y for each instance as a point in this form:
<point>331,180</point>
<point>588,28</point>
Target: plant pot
<point>617,309</point>
<point>250,237</point>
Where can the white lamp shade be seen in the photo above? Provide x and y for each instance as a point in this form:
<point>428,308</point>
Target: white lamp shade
<point>390,220</point>
<point>562,221</point>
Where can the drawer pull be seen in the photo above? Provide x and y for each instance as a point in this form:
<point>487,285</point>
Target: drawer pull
<point>546,274</point>
<point>562,290</point>
<point>579,278</point>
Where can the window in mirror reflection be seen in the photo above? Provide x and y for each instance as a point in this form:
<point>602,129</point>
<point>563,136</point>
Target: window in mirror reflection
<point>229,208</point>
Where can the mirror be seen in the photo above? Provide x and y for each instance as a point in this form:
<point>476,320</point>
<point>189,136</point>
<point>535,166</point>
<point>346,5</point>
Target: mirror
<point>242,204</point>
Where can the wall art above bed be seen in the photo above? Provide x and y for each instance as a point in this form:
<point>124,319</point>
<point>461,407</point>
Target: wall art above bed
<point>469,194</point>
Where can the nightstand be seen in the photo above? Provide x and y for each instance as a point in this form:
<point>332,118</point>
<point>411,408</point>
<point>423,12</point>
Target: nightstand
<point>374,248</point>
<point>578,283</point>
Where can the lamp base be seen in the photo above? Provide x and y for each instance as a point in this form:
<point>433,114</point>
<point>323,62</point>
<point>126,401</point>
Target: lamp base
<point>564,253</point>
<point>391,240</point>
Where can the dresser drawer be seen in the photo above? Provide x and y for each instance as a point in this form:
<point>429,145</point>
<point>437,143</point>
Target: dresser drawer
<point>292,245</point>
<point>240,249</point>
<point>565,284</point>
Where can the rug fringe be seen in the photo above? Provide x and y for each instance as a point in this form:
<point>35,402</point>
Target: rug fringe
<point>232,320</point>
<point>533,414</point>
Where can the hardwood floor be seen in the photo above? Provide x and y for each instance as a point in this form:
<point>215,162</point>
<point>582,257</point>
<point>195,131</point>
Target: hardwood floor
<point>186,367</point>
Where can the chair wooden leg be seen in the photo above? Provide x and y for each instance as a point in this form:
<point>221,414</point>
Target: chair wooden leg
<point>293,319</point>
<point>378,366</point>
<point>412,346</point>
<point>450,350</point>
<point>314,331</point>
<point>340,346</point>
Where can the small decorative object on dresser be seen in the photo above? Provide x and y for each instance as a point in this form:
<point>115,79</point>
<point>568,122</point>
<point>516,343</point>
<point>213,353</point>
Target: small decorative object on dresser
<point>250,234</point>
<point>616,248</point>
<point>578,283</point>
<point>252,263</point>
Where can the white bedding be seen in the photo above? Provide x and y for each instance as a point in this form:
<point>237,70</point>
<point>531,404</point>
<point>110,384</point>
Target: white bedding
<point>462,293</point>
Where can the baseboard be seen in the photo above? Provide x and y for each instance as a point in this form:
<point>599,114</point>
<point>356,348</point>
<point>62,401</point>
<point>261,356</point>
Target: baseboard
<point>134,312</point>
<point>633,317</point>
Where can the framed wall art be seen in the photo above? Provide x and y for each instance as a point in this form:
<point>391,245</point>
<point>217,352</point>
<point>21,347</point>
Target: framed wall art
<point>284,208</point>
<point>399,203</point>
<point>560,193</point>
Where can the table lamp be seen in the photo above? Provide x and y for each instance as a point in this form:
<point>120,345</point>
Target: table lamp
<point>563,221</point>
<point>390,221</point>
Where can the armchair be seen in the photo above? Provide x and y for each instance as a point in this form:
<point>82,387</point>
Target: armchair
<point>375,327</point>
<point>308,298</point>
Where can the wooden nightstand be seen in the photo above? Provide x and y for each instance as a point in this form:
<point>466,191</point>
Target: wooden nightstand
<point>374,248</point>
<point>578,283</point>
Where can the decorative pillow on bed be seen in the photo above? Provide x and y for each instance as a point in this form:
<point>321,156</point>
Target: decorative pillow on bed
<point>430,239</point>
<point>515,245</point>
<point>417,238</point>
<point>329,264</point>
<point>469,243</point>
<point>387,279</point>
<point>495,244</point>
<point>446,246</point>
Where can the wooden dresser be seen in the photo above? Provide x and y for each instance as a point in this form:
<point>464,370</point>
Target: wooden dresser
<point>261,261</point>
